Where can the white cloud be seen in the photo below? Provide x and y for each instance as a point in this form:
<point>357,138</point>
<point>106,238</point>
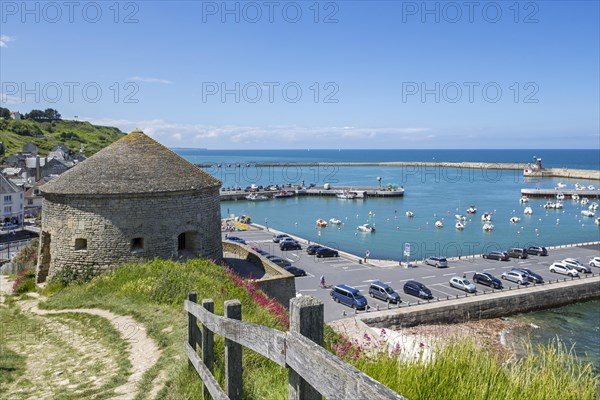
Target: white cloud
<point>4,39</point>
<point>151,80</point>
<point>10,99</point>
<point>277,136</point>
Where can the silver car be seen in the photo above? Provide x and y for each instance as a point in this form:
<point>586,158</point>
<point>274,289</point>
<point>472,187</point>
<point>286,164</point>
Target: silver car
<point>438,262</point>
<point>518,277</point>
<point>462,284</point>
<point>562,268</point>
<point>575,263</point>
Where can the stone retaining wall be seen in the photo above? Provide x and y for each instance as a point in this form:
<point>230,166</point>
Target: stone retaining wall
<point>278,284</point>
<point>492,305</point>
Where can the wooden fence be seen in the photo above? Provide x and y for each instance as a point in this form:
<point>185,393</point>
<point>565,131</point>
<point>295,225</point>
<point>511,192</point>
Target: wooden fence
<point>313,371</point>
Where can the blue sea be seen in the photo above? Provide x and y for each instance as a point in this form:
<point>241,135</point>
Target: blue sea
<point>432,194</point>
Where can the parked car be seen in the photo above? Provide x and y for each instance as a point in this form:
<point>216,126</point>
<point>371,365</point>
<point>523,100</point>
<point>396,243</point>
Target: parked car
<point>279,261</point>
<point>326,252</point>
<point>532,276</point>
<point>537,250</point>
<point>563,268</point>
<point>312,249</point>
<point>595,262</point>
<point>349,296</point>
<point>438,262</point>
<point>262,252</point>
<point>7,226</point>
<point>289,245</point>
<point>383,292</point>
<point>518,277</point>
<point>485,278</point>
<point>517,252</point>
<point>295,271</point>
<point>462,284</point>
<point>277,238</point>
<point>235,239</point>
<point>575,263</point>
<point>415,288</point>
<point>496,255</point>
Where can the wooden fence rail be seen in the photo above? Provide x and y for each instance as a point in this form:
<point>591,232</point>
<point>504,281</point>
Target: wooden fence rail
<point>313,371</point>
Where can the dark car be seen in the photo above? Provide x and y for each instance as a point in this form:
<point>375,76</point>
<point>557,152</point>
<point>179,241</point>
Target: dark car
<point>290,245</point>
<point>383,292</point>
<point>487,279</point>
<point>279,261</point>
<point>533,277</point>
<point>295,271</point>
<point>235,239</point>
<point>517,252</point>
<point>417,289</point>
<point>537,251</point>
<point>326,252</point>
<point>497,255</point>
<point>312,249</point>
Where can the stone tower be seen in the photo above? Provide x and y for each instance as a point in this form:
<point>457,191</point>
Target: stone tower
<point>135,199</point>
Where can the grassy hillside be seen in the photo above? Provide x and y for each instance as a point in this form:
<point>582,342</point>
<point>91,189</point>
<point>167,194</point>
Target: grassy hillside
<point>14,134</point>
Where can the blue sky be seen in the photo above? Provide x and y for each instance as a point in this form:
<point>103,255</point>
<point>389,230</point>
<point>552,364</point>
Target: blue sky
<point>355,74</point>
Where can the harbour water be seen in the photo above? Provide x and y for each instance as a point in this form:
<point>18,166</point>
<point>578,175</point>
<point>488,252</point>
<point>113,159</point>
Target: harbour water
<point>433,194</point>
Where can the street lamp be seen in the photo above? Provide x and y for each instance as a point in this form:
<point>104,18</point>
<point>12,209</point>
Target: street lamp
<point>379,180</point>
<point>267,223</point>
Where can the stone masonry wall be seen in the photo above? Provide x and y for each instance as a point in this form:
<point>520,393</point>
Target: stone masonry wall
<point>493,305</point>
<point>110,223</point>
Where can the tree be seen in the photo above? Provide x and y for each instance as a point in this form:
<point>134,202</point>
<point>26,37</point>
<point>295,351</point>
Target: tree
<point>36,115</point>
<point>4,113</point>
<point>51,114</point>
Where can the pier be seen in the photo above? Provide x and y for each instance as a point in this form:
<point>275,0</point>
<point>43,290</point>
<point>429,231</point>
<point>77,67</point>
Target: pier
<point>361,191</point>
<point>551,193</point>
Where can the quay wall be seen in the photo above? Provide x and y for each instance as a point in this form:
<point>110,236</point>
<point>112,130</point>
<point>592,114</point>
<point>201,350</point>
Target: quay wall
<point>545,172</point>
<point>491,305</point>
<point>279,283</point>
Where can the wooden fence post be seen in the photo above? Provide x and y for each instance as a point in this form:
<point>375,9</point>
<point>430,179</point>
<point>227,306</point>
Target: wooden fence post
<point>192,326</point>
<point>306,318</point>
<point>233,355</point>
<point>208,350</point>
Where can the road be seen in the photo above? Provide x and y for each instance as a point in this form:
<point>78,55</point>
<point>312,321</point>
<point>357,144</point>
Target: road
<point>348,271</point>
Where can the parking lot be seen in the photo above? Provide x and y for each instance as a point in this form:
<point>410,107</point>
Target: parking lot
<point>346,270</point>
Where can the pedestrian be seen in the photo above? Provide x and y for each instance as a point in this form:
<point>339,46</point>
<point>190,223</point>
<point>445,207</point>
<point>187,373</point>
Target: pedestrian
<point>322,281</point>
<point>464,276</point>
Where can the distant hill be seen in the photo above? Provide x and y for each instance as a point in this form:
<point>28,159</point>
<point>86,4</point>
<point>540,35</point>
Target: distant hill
<point>45,135</point>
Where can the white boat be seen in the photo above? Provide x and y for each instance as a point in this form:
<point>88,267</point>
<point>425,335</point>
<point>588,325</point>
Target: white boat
<point>593,206</point>
<point>575,197</point>
<point>524,199</point>
<point>335,221</point>
<point>553,206</point>
<point>584,201</point>
<point>321,223</point>
<point>560,196</point>
<point>597,221</point>
<point>486,217</point>
<point>410,214</point>
<point>256,197</point>
<point>460,217</point>
<point>459,226</point>
<point>560,185</point>
<point>488,227</point>
<point>471,210</point>
<point>527,211</point>
<point>587,213</point>
<point>514,220</point>
<point>591,187</point>
<point>366,228</point>
<point>346,195</point>
<point>579,187</point>
<point>439,224</point>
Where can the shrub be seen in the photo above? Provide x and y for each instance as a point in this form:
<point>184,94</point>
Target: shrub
<point>24,282</point>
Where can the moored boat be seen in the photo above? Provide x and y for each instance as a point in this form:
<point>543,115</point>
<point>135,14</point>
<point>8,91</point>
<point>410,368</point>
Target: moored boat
<point>528,211</point>
<point>514,220</point>
<point>256,197</point>
<point>366,228</point>
<point>335,221</point>
<point>410,214</point>
<point>471,210</point>
<point>439,224</point>
<point>488,227</point>
<point>524,199</point>
<point>459,226</point>
<point>283,194</point>
<point>346,195</point>
<point>486,217</point>
<point>587,213</point>
<point>321,223</point>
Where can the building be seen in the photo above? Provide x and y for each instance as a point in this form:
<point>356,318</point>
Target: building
<point>11,202</point>
<point>15,115</point>
<point>135,199</point>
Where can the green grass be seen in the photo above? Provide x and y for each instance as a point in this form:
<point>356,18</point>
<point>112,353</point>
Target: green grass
<point>153,293</point>
<point>46,135</point>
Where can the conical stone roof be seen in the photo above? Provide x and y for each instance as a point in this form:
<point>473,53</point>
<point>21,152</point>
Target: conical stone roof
<point>135,163</point>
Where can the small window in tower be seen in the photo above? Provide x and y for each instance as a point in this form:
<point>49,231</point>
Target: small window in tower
<point>80,244</point>
<point>137,244</point>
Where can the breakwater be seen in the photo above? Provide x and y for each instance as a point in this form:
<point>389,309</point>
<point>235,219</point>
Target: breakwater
<point>543,173</point>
